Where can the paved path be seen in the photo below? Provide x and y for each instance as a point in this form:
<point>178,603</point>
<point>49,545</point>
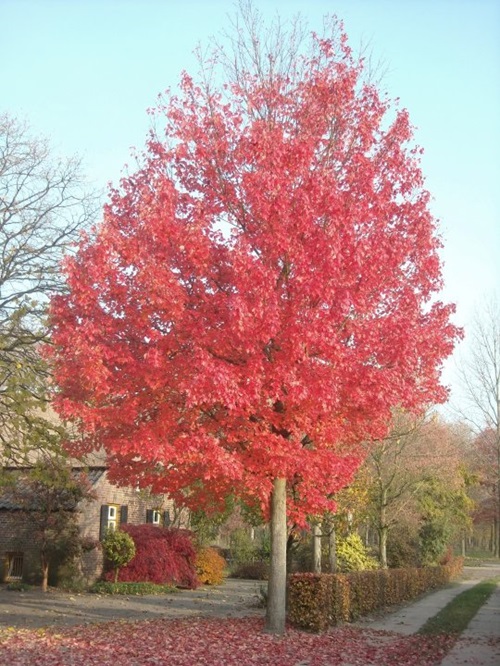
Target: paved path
<point>480,642</point>
<point>479,645</point>
<point>34,609</point>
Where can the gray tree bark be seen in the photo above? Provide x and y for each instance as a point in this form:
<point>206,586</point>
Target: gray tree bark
<point>332,548</point>
<point>276,599</point>
<point>316,533</point>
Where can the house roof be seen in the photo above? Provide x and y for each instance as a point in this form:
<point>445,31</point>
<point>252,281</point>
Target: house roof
<point>9,498</point>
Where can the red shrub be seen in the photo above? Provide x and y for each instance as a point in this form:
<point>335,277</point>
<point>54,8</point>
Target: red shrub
<point>163,555</point>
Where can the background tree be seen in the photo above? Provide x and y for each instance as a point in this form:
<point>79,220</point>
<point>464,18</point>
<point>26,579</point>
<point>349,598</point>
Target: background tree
<point>484,462</point>
<point>260,292</point>
<point>445,512</point>
<point>395,470</point>
<point>43,205</point>
<point>352,507</point>
<point>480,375</point>
<point>404,468</point>
<point>49,494</point>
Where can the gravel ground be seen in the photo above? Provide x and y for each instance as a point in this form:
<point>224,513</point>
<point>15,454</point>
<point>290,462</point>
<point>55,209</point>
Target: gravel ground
<point>34,609</point>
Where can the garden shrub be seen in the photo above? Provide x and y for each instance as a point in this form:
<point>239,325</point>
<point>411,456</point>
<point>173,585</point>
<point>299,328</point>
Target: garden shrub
<point>434,538</point>
<point>130,589</point>
<point>352,554</point>
<point>70,577</point>
<point>163,555</point>
<point>366,593</point>
<point>251,571</point>
<point>403,549</point>
<point>210,566</point>
<point>243,548</point>
<point>339,602</point>
<point>119,549</point>
<point>310,598</point>
<point>319,600</point>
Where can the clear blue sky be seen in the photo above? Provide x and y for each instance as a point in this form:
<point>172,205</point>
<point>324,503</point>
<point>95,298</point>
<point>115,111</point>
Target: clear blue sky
<point>83,72</point>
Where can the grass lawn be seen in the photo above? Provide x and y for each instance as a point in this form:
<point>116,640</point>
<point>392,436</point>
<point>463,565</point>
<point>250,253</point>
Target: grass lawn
<point>455,617</point>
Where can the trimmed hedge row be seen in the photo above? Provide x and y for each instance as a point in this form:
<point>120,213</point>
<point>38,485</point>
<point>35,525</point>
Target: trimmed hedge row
<point>316,601</point>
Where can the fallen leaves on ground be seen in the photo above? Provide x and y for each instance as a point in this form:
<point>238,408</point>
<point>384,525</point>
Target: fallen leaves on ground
<point>214,642</point>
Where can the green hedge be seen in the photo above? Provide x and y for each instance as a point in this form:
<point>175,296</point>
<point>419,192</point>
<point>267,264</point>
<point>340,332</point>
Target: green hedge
<point>316,601</point>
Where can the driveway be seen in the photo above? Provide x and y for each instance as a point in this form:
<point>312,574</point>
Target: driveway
<point>34,609</point>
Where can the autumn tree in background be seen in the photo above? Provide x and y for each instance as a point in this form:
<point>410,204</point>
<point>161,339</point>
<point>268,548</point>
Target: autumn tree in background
<point>480,375</point>
<point>484,461</point>
<point>395,465</point>
<point>418,480</point>
<point>262,291</point>
<point>43,204</point>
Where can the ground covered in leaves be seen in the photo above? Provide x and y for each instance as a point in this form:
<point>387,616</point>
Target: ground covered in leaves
<point>214,642</point>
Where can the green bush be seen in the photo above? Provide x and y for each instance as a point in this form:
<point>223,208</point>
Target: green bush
<point>434,538</point>
<point>131,589</point>
<point>119,549</point>
<point>242,547</point>
<point>70,577</point>
<point>403,549</point>
<point>19,586</point>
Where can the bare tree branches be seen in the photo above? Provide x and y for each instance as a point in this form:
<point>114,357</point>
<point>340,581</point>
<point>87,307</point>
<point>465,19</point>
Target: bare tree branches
<point>480,373</point>
<point>43,206</point>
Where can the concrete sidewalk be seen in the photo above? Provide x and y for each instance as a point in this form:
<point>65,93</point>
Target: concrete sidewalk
<point>480,642</point>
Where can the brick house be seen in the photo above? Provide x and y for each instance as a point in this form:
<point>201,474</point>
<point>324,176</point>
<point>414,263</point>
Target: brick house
<point>110,507</point>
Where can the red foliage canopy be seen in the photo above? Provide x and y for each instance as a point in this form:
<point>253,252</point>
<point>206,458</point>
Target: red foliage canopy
<point>260,293</point>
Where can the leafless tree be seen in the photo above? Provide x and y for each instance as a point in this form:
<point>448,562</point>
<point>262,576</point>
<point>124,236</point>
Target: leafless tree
<point>480,378</point>
<point>43,206</point>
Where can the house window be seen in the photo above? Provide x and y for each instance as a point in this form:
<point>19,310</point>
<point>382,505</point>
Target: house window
<point>112,515</point>
<point>153,516</point>
<point>14,566</point>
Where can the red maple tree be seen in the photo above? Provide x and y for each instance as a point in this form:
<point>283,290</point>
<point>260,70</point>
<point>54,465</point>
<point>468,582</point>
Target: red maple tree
<point>259,294</point>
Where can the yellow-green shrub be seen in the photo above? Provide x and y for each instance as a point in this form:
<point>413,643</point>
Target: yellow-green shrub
<point>210,566</point>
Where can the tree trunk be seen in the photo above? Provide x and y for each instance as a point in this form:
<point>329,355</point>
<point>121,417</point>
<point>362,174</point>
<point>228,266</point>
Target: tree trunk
<point>497,521</point>
<point>290,543</point>
<point>316,543</point>
<point>276,599</point>
<point>332,548</point>
<point>382,530</point>
<point>45,572</point>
